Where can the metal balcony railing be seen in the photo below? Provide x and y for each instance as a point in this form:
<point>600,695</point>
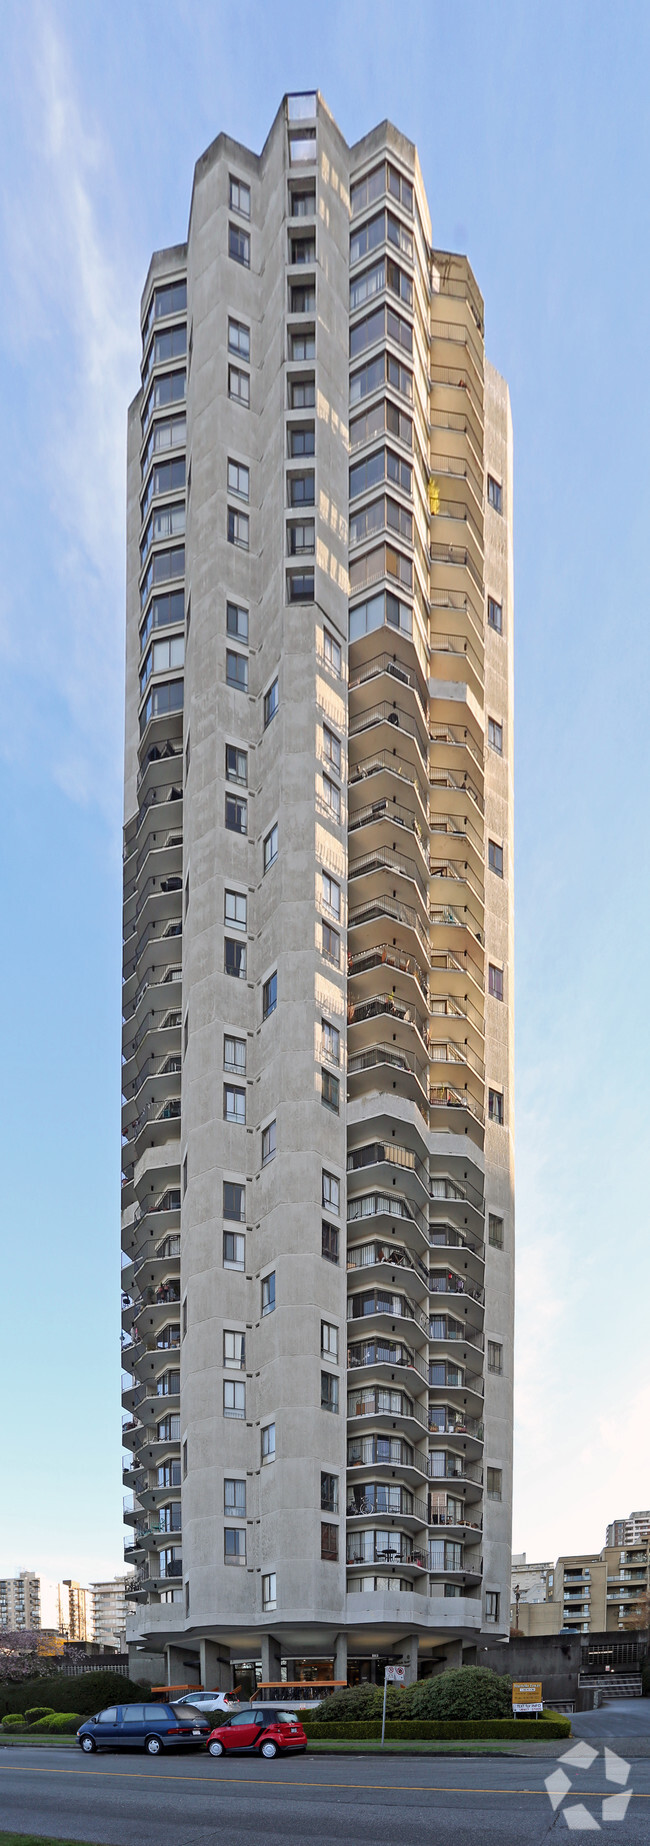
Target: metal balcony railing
<point>458,738</point>
<point>376,1352</point>
<point>445,1096</point>
<point>396,1059</point>
<point>388,1006</point>
<point>385,713</point>
<point>367,1255</point>
<point>385,955</point>
<point>383,859</point>
<point>379,1499</point>
<point>458,557</point>
<point>456,1469</point>
<point>397,1307</point>
<point>384,809</point>
<point>394,765</point>
<point>460,469</point>
<point>379,1402</point>
<point>386,905</point>
<point>460,873</point>
<point>369,1204</point>
<point>447,779</point>
<point>386,663</point>
<point>445,961</point>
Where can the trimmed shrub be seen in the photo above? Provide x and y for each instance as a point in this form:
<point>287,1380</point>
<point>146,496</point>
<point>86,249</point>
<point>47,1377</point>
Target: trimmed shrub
<point>13,1721</point>
<point>37,1711</point>
<point>91,1692</point>
<point>409,1730</point>
<point>356,1703</point>
<point>58,1721</point>
<point>465,1692</point>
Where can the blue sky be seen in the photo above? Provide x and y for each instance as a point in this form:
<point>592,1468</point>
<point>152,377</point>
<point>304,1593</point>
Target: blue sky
<point>532,127</point>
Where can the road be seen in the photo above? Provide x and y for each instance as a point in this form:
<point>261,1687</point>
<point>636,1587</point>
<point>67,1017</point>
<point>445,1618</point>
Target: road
<point>119,1800</point>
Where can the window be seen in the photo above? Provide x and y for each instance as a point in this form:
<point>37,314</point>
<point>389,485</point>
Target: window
<point>302,204</point>
<point>163,610</point>
<point>162,699</point>
<point>270,852</point>
<point>234,1398</point>
<point>494,1483</point>
<point>302,300</point>
<point>329,1493</point>
<point>302,346</point>
<point>495,981</point>
<point>301,490</point>
<point>236,814</point>
<point>234,1499</point>
<point>331,1042</point>
<point>236,765</point>
<point>268,1143</point>
<point>302,250</point>
<point>329,1543</point>
<point>495,1356</point>
<point>234,1250</point>
<point>331,894</point>
<point>239,480</point>
<point>300,586</point>
<point>268,1443</point>
<point>492,1598</point>
<point>332,748</point>
<point>184,1175</point>
<point>234,1545</point>
<point>234,1351</point>
<point>331,944</point>
<point>184,1317</point>
<point>239,245</point>
<point>332,652</point>
<point>300,538</point>
<point>162,656</point>
<point>495,1231</point>
<point>495,858</point>
<point>239,339</point>
<point>495,615</point>
<point>331,1192</point>
<point>302,441</point>
<point>329,1340</point>
<point>234,1201</point>
<point>302,144</point>
<point>329,1392</point>
<point>302,393</point>
<point>495,735</point>
<point>238,528</point>
<point>184,1461</point>
<point>495,1107</point>
<point>234,959</point>
<point>270,995</point>
<point>332,797</point>
<point>271,701</point>
<point>234,1104</point>
<point>269,1592</point>
<point>239,385</point>
<point>268,1293</point>
<point>240,197</point>
<point>169,1430</point>
<point>236,670</point>
<point>235,909</point>
<point>330,1090</point>
<point>495,496</point>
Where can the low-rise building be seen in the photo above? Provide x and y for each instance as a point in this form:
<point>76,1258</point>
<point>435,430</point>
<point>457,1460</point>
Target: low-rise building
<point>583,1593</point>
<point>628,1531</point>
<point>109,1612</point>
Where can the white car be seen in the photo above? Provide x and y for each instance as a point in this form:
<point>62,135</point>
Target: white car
<point>208,1701</point>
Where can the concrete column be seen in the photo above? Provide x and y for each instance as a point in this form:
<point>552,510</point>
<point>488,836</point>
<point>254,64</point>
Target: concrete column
<point>270,1657</point>
<point>410,1658</point>
<point>146,1669</point>
<point>215,1668</point>
<point>181,1669</point>
<point>453,1655</point>
<point>341,1656</point>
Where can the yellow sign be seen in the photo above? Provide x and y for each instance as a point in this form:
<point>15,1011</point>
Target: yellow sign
<point>527,1695</point>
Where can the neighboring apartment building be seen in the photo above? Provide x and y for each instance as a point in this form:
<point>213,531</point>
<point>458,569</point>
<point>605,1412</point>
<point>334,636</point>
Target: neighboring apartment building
<point>628,1531</point>
<point>20,1601</point>
<point>584,1594</point>
<point>529,1582</point>
<point>318,1223</point>
<point>110,1612</point>
<point>75,1611</point>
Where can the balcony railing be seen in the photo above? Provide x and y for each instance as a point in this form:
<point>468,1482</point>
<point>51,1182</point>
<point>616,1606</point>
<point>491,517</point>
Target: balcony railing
<point>381,1006</point>
<point>458,646</point>
<point>371,1404</point>
<point>444,1096</point>
<point>457,737</point>
<point>376,1055</point>
<point>384,859</point>
<point>379,1499</point>
<point>385,955</point>
<point>388,906</point>
<point>384,809</point>
<point>445,778</point>
<point>458,870</point>
<point>394,765</point>
<point>454,1285</point>
<point>383,1554</point>
<point>367,1255</point>
<point>386,663</point>
<point>396,1307</point>
<point>388,714</point>
<point>457,1469</point>
<point>386,1352</point>
<point>445,961</point>
<point>376,1152</point>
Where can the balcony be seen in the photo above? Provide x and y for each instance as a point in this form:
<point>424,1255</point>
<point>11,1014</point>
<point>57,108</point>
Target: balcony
<point>365,961</point>
<point>375,1255</point>
<point>382,1304</point>
<point>390,1153</point>
<point>373,1498</point>
<point>445,1097</point>
<point>387,663</point>
<point>386,859</point>
<point>386,908</point>
<point>456,782</point>
<point>380,1548</point>
<point>389,1006</point>
<point>386,1352</point>
<point>399,720</point>
<point>388,763</point>
<point>390,1058</point>
<point>387,1408</point>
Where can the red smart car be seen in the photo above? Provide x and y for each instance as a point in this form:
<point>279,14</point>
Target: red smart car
<point>264,1730</point>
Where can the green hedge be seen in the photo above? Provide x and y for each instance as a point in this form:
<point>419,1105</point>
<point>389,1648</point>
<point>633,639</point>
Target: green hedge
<point>90,1692</point>
<point>412,1730</point>
<point>13,1721</point>
<point>65,1722</point>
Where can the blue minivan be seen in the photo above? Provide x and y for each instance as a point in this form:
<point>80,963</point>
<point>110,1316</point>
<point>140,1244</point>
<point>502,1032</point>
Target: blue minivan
<point>147,1727</point>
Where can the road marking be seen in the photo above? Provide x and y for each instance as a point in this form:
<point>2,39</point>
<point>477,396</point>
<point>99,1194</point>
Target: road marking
<point>425,1788</point>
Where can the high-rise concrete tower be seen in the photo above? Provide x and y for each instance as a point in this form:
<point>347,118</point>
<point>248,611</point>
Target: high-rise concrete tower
<point>318,927</point>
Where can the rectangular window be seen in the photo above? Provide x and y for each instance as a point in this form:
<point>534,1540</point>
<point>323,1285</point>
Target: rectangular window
<point>234,959</point>
<point>238,529</point>
<point>495,1107</point>
<point>234,1104</point>
<point>331,1042</point>
<point>302,440</point>
<point>330,1242</point>
<point>302,299</point>
<point>269,1591</point>
<point>301,489</point>
<point>332,748</point>
<point>329,1392</point>
<point>236,670</point>
<point>234,1398</point>
<point>239,385</point>
<point>270,851</point>
<point>302,393</point>
<point>234,1545</point>
<point>495,736</point>
<point>268,1443</point>
<point>331,944</point>
<point>237,622</point>
<point>494,1483</point>
<point>300,586</point>
<point>239,245</point>
<point>332,653</point>
<point>236,765</point>
<point>495,981</point>
<point>331,892</point>
<point>234,1351</point>
<point>185,1461</point>
<point>268,1293</point>
<point>329,1493</point>
<point>332,797</point>
<point>495,1231</point>
<point>495,1356</point>
<point>302,346</point>
<point>302,145</point>
<point>329,1340</point>
<point>234,1499</point>
<point>302,204</point>
<point>239,480</point>
<point>236,814</point>
<point>184,1175</point>
<point>495,857</point>
<point>239,339</point>
<point>495,495</point>
<point>268,1143</point>
<point>329,1543</point>
<point>271,701</point>
<point>330,1091</point>
<point>302,250</point>
<point>235,909</point>
<point>331,1194</point>
<point>492,1598</point>
<point>240,197</point>
<point>300,537</point>
<point>495,615</point>
<point>234,1201</point>
<point>234,1250</point>
<point>270,995</point>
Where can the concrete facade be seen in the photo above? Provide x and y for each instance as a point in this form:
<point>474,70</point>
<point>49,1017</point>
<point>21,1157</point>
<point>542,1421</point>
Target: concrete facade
<point>20,1601</point>
<point>588,1593</point>
<point>319,709</point>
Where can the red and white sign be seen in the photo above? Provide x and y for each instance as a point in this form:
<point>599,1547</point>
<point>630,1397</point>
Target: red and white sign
<point>397,1674</point>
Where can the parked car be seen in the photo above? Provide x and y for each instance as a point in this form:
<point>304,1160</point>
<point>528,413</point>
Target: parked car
<point>207,1702</point>
<point>143,1727</point>
<point>262,1730</point>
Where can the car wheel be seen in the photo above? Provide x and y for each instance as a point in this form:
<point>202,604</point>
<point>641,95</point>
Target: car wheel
<point>269,1748</point>
<point>215,1748</point>
<point>153,1746</point>
<point>88,1744</point>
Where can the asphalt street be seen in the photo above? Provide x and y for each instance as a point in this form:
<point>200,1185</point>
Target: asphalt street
<point>116,1800</point>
